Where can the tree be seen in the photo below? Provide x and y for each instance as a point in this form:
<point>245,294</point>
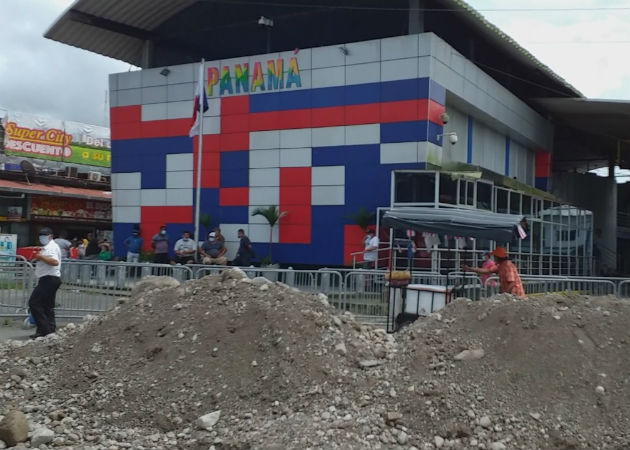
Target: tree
<point>205,220</point>
<point>273,215</point>
<point>362,218</point>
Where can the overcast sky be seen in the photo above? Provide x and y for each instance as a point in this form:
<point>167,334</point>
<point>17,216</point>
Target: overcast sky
<point>587,42</point>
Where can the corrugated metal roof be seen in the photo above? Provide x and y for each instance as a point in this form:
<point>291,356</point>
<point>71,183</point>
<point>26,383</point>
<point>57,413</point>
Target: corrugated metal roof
<point>147,15</point>
<point>142,14</point>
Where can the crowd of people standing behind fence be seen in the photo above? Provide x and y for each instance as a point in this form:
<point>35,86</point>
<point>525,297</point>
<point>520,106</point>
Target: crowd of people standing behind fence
<point>88,247</point>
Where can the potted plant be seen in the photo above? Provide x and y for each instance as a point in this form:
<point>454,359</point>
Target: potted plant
<point>273,215</point>
<point>362,218</point>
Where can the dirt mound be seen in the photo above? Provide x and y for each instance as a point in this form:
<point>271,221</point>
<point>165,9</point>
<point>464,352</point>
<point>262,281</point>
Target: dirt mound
<point>286,371</point>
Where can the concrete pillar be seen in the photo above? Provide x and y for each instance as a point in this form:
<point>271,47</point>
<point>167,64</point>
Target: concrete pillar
<point>416,16</point>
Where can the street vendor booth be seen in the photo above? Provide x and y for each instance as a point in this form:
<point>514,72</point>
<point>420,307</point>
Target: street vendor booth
<point>409,301</point>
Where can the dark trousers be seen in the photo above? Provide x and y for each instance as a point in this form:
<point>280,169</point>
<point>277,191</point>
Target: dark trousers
<point>42,304</point>
<point>242,260</point>
<point>161,258</point>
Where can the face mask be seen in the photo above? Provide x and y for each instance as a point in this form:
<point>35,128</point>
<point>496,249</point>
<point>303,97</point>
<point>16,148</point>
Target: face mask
<point>163,232</point>
<point>44,240</point>
<point>187,239</point>
<point>135,234</point>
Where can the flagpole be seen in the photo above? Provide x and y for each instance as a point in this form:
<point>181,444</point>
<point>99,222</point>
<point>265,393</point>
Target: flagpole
<point>199,149</point>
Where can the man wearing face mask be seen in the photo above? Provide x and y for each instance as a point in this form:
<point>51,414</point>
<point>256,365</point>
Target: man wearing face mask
<point>133,244</point>
<point>159,243</point>
<point>185,249</point>
<point>48,273</point>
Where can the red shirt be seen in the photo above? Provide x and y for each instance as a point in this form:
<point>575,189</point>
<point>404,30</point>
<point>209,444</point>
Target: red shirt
<point>508,274</point>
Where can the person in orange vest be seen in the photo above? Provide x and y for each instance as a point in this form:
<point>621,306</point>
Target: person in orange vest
<point>509,279</point>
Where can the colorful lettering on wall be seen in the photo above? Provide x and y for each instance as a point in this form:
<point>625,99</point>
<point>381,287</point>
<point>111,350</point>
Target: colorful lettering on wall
<point>75,208</point>
<point>235,79</point>
<point>28,136</point>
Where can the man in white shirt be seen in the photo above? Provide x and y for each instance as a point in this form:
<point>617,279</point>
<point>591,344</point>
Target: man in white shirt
<point>48,273</point>
<point>185,249</point>
<point>64,245</point>
<point>370,252</point>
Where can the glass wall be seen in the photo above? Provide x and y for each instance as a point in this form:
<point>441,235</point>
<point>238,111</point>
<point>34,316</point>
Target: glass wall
<point>559,236</point>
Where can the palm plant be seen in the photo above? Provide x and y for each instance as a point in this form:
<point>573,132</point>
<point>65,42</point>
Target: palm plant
<point>362,218</point>
<point>273,215</point>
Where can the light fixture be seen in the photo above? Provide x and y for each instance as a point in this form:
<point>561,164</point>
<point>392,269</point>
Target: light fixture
<point>343,49</point>
<point>165,71</point>
<point>265,21</point>
<point>452,137</point>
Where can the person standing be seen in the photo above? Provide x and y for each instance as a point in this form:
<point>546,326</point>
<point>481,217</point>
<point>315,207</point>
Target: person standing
<point>48,273</point>
<point>245,251</point>
<point>159,243</point>
<point>134,245</point>
<point>64,245</point>
<point>92,250</point>
<point>488,264</point>
<point>509,279</point>
<point>370,252</point>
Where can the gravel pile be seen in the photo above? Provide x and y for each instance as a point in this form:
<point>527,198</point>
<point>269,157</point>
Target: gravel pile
<point>228,362</point>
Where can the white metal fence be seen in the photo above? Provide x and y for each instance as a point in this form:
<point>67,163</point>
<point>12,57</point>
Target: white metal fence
<point>95,286</point>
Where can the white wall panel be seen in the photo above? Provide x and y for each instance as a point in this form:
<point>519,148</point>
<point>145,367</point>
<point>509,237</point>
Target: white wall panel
<point>179,180</point>
<point>328,175</point>
<point>126,180</point>
<point>264,196</point>
<point>363,52</point>
<point>264,139</point>
<point>399,69</point>
<point>295,157</point>
<point>153,197</point>
<point>179,197</point>
<point>126,197</point>
<point>399,47</point>
<point>330,76</point>
<point>363,134</point>
<point>179,110</point>
<point>179,161</point>
<point>260,233</point>
<point>295,138</point>
<point>126,214</point>
<point>399,152</point>
<point>329,136</point>
<point>327,195</point>
<point>260,159</point>
<point>130,80</point>
<point>264,177</point>
<point>363,73</point>
<point>327,57</point>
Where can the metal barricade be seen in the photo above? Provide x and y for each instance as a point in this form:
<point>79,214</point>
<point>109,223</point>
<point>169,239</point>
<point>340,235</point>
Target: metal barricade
<point>537,286</point>
<point>17,279</point>
<point>623,289</point>
<point>365,294</point>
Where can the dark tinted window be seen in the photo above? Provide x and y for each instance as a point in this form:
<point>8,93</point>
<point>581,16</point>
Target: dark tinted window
<point>484,196</point>
<point>502,201</point>
<point>414,187</point>
<point>448,189</point>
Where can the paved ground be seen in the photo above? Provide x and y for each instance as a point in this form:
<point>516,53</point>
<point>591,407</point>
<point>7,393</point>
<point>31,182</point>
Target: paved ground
<point>14,331</point>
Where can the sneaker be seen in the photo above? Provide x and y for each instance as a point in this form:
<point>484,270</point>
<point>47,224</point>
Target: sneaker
<point>35,336</point>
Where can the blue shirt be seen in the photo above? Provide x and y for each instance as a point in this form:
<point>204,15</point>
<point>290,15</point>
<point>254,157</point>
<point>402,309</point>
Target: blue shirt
<point>134,244</point>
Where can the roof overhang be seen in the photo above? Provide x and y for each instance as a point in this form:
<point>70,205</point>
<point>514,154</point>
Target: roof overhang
<point>57,191</point>
<point>595,130</point>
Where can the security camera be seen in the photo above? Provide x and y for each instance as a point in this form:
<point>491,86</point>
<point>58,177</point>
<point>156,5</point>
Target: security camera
<point>452,138</point>
<point>444,118</point>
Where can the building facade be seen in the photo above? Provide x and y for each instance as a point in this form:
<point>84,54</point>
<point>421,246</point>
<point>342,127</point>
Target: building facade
<point>320,132</point>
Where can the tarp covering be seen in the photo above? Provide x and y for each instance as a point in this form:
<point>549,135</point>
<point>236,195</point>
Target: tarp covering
<point>455,222</point>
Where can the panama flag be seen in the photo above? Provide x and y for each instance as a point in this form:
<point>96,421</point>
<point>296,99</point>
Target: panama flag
<point>200,95</point>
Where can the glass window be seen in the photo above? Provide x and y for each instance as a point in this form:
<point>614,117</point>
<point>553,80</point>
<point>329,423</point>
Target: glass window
<point>527,205</point>
<point>462,192</point>
<point>502,201</point>
<point>414,187</point>
<point>470,193</point>
<point>515,203</point>
<point>448,189</point>
<point>484,196</point>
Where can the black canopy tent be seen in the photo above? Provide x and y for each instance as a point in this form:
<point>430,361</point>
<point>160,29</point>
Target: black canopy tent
<point>454,222</point>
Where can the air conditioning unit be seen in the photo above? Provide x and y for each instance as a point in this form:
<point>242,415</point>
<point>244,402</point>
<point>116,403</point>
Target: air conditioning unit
<point>72,172</point>
<point>94,176</point>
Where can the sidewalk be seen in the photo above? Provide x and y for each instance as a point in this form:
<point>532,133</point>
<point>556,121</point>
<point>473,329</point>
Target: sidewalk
<point>14,331</point>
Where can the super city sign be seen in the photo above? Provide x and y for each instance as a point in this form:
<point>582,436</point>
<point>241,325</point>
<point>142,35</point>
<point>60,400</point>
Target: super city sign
<point>236,79</point>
